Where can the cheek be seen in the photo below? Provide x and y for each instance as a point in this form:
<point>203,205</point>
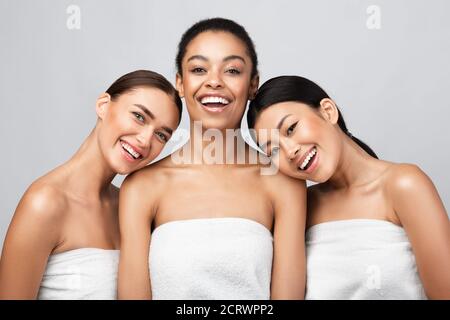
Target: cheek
<point>239,88</point>
<point>112,122</point>
<point>118,126</point>
<point>156,149</point>
<point>190,85</point>
<point>311,132</point>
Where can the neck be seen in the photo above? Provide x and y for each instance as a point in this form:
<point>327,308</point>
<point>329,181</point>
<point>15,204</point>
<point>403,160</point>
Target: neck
<point>355,167</point>
<point>216,146</point>
<point>88,174</point>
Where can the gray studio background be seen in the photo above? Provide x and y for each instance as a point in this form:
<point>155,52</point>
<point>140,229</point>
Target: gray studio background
<point>391,83</point>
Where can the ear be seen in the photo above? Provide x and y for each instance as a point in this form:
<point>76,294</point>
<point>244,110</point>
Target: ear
<point>102,104</point>
<point>329,110</point>
<point>254,83</point>
<point>179,85</point>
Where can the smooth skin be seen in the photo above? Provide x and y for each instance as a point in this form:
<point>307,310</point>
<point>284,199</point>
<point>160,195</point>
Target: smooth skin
<point>354,185</point>
<point>76,205</point>
<point>215,63</point>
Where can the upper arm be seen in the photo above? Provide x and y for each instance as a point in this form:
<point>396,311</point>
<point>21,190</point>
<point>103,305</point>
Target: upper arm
<point>136,208</point>
<point>423,216</point>
<point>288,271</point>
<point>31,237</point>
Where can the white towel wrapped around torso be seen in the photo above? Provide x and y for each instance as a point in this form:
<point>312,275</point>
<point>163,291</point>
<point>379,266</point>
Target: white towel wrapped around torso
<point>81,274</point>
<point>212,258</point>
<point>360,259</point>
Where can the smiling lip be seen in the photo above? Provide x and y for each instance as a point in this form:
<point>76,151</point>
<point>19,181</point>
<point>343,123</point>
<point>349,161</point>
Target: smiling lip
<point>314,163</point>
<point>136,149</point>
<point>298,160</point>
<point>127,156</point>
<point>215,107</point>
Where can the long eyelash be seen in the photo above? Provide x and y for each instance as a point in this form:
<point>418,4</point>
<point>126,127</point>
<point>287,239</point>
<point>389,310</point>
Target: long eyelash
<point>163,136</point>
<point>197,70</point>
<point>292,127</point>
<point>234,71</point>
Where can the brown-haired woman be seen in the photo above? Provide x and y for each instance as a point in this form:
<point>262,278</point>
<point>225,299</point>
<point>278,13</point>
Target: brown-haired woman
<point>63,239</point>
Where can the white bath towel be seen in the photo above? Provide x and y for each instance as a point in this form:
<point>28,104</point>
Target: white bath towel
<point>215,258</point>
<point>361,259</point>
<point>86,273</point>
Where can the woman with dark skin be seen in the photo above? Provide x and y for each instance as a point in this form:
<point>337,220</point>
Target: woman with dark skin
<point>63,239</point>
<point>213,236</point>
<point>376,229</point>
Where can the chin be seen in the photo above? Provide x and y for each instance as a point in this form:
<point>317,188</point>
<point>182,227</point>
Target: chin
<point>120,168</point>
<point>121,171</point>
<point>321,179</point>
<point>219,124</point>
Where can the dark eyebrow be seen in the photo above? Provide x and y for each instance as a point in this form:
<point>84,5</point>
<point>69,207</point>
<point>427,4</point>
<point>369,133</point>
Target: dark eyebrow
<point>152,116</point>
<point>168,130</point>
<point>232,57</point>
<point>145,109</point>
<point>228,58</point>
<point>197,56</point>
<point>282,120</point>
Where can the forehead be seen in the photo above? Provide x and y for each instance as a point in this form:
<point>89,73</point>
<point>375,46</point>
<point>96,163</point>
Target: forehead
<point>155,100</point>
<point>271,116</point>
<point>216,44</point>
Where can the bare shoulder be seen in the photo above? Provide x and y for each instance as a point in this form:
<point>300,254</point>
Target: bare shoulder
<point>407,179</point>
<point>43,202</point>
<point>39,216</point>
<point>410,190</point>
<point>141,193</point>
<point>281,186</point>
<point>154,174</point>
<point>143,189</point>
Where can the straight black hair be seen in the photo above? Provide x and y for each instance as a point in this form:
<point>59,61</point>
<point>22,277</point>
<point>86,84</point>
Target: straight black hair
<point>299,89</point>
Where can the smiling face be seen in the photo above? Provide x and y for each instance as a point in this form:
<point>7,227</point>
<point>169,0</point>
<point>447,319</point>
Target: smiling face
<point>309,140</point>
<point>216,81</point>
<point>133,128</point>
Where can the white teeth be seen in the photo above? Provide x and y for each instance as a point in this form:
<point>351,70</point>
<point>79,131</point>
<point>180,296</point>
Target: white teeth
<point>308,158</point>
<point>211,99</point>
<point>130,150</point>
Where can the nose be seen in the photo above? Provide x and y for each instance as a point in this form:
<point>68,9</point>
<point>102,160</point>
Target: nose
<point>214,80</point>
<point>145,137</point>
<point>290,147</point>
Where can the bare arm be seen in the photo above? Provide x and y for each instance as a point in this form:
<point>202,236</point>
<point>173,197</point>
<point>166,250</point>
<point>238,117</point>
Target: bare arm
<point>423,216</point>
<point>32,235</point>
<point>289,262</point>
<point>135,218</point>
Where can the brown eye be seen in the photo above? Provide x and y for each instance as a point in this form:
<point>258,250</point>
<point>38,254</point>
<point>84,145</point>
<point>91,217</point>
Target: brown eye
<point>234,71</point>
<point>291,129</point>
<point>198,70</point>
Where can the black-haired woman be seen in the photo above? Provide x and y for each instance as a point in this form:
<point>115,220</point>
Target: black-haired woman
<point>376,229</point>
